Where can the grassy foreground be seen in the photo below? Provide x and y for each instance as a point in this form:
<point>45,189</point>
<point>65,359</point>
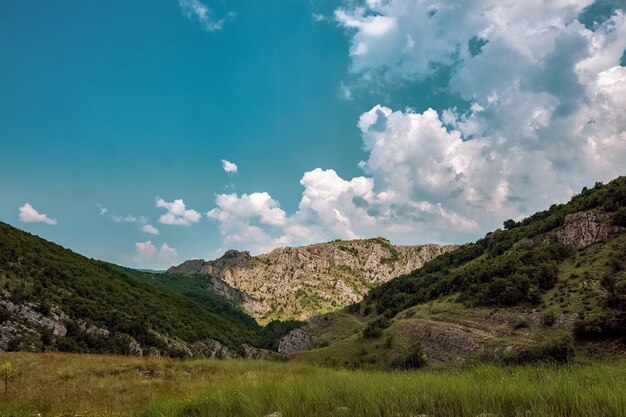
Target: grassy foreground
<point>89,385</point>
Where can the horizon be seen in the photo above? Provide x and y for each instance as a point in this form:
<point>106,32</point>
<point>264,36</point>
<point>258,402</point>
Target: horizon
<point>147,136</point>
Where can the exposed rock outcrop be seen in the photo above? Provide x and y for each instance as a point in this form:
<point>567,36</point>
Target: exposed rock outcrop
<point>295,341</point>
<point>580,230</point>
<point>298,282</point>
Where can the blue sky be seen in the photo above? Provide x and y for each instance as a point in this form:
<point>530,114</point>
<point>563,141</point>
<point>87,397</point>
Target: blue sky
<point>323,107</point>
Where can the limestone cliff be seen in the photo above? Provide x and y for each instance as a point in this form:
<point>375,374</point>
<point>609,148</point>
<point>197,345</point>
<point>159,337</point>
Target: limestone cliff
<point>580,230</point>
<point>298,282</point>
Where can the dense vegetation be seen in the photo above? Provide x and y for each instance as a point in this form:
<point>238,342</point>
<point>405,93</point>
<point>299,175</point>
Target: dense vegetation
<point>53,385</point>
<point>494,272</point>
<point>104,295</point>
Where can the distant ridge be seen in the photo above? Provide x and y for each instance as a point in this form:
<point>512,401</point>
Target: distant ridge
<point>299,282</point>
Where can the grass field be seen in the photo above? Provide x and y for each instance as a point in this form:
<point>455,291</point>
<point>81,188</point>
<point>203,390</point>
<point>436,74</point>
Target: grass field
<point>88,385</point>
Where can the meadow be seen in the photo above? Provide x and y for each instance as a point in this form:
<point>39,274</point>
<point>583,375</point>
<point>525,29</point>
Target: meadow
<point>72,385</point>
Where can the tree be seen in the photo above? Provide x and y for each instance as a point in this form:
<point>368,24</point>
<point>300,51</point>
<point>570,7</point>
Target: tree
<point>509,224</point>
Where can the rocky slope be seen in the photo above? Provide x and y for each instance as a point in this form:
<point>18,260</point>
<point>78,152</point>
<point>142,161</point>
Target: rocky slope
<point>298,282</point>
<point>520,294</point>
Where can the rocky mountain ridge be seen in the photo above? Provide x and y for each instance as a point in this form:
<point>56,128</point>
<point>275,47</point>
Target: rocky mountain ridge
<point>299,282</point>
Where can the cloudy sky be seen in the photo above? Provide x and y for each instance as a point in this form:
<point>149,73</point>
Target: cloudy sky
<point>149,133</point>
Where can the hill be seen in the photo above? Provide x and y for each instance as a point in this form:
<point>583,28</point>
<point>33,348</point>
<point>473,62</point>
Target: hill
<point>519,294</point>
<point>299,282</point>
<point>54,299</point>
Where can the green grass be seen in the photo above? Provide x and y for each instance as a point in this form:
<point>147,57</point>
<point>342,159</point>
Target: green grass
<point>93,386</point>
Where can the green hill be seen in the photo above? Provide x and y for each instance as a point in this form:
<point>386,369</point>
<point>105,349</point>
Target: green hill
<point>520,294</point>
<point>54,299</point>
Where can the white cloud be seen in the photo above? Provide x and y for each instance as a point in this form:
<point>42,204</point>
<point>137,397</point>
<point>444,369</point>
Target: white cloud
<point>177,213</point>
<point>29,215</point>
<point>545,103</point>
<point>167,253</point>
<point>544,115</point>
<point>229,167</point>
<point>194,9</point>
<point>103,210</point>
<point>148,228</point>
<point>147,255</point>
<point>145,251</point>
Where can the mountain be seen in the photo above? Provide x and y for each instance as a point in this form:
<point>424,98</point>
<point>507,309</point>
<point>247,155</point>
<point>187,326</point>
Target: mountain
<point>54,299</point>
<point>540,288</point>
<point>299,282</point>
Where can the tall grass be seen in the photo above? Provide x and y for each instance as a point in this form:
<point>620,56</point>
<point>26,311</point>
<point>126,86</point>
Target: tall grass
<point>85,385</point>
<point>297,391</point>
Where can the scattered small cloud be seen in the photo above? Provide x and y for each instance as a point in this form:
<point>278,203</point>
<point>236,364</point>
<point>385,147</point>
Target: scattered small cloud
<point>145,250</point>
<point>318,17</point>
<point>345,92</point>
<point>148,228</point>
<point>129,219</point>
<point>142,222</point>
<point>29,215</point>
<point>146,253</point>
<point>167,253</point>
<point>229,167</point>
<point>177,213</point>
<point>195,9</point>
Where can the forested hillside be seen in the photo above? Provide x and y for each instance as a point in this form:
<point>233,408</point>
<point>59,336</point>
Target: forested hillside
<point>54,299</point>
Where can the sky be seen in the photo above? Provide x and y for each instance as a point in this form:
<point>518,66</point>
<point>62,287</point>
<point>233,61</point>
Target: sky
<point>147,133</point>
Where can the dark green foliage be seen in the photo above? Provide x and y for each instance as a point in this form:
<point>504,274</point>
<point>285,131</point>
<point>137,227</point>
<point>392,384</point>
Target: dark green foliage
<point>559,350</point>
<point>509,224</point>
<point>376,327</point>
<point>492,271</point>
<point>610,320</point>
<point>415,358</point>
<point>505,280</point>
<point>549,318</point>
<point>111,297</point>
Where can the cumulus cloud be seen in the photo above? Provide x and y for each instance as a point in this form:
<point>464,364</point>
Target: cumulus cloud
<point>177,213</point>
<point>541,114</point>
<point>29,215</point>
<point>195,9</point>
<point>146,253</point>
<point>148,228</point>
<point>167,253</point>
<point>544,93</point>
<point>229,167</point>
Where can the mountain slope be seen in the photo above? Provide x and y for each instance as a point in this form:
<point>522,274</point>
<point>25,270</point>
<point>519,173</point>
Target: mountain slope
<point>296,283</point>
<point>518,294</point>
<point>54,299</point>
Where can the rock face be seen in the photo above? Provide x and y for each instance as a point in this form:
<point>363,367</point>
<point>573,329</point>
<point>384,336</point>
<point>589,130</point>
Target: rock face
<point>295,341</point>
<point>581,230</point>
<point>299,282</point>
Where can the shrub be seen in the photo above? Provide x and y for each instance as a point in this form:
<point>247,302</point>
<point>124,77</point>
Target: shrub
<point>416,358</point>
<point>375,328</point>
<point>520,324</point>
<point>549,318</point>
<point>559,350</point>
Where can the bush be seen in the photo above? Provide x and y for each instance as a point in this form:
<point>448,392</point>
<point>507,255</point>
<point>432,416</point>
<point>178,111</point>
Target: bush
<point>416,358</point>
<point>375,328</point>
<point>558,350</point>
<point>549,318</point>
